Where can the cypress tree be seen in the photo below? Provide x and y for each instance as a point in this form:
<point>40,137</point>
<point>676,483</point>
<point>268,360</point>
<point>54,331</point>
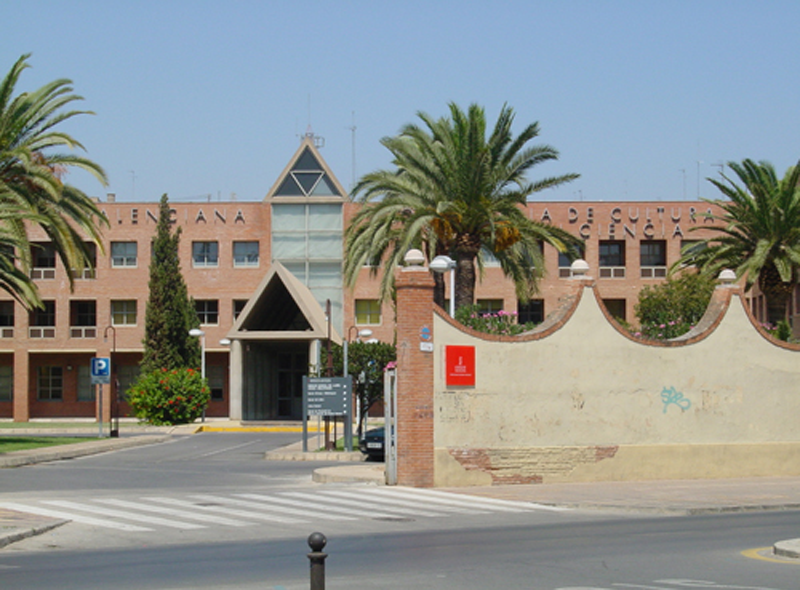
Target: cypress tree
<point>170,311</point>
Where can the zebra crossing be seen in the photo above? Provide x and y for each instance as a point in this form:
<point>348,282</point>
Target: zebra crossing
<point>201,511</point>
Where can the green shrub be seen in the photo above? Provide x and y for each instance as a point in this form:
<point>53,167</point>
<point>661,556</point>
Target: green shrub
<point>165,397</point>
<point>781,331</point>
<point>501,322</point>
<point>674,307</point>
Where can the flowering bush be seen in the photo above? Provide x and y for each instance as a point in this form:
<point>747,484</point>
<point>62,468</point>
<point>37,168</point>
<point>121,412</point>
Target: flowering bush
<point>169,397</point>
<point>666,330</point>
<point>672,308</point>
<point>781,331</point>
<point>501,322</point>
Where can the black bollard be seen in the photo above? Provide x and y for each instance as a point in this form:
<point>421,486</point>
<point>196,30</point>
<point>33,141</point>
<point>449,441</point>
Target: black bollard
<point>317,541</point>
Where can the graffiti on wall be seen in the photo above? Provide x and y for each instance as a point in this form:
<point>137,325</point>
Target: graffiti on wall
<point>670,395</point>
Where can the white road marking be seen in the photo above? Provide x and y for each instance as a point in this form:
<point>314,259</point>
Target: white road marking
<point>173,512</point>
<point>366,501</point>
<point>74,517</point>
<point>123,514</point>
<point>223,510</point>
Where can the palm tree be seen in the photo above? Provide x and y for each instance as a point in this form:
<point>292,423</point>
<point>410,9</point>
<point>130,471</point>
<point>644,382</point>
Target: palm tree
<point>456,191</point>
<point>32,187</point>
<point>759,232</point>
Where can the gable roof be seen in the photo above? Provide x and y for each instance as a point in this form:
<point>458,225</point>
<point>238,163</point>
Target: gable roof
<point>282,308</point>
<point>306,177</point>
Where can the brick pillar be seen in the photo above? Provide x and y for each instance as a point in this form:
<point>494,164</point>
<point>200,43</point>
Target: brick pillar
<point>414,378</point>
<point>22,397</point>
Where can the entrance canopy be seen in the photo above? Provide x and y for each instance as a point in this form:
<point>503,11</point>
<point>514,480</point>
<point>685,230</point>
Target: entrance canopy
<point>272,347</point>
<point>282,308</point>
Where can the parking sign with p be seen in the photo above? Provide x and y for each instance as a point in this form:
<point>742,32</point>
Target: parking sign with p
<point>101,370</point>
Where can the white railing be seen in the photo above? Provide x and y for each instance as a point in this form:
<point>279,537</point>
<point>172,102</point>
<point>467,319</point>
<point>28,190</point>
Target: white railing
<point>43,273</point>
<point>654,272</point>
<point>41,332</point>
<point>612,272</point>
<point>83,332</point>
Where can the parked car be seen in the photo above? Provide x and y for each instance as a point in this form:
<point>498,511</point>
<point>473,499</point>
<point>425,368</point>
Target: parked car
<point>373,443</point>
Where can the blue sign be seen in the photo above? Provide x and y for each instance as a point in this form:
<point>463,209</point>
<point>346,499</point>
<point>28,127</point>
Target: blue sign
<point>101,370</point>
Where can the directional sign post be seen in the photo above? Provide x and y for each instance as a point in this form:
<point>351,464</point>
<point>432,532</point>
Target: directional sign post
<point>329,396</point>
<point>100,374</point>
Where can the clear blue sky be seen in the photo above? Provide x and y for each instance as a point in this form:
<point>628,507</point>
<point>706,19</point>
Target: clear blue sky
<point>198,98</point>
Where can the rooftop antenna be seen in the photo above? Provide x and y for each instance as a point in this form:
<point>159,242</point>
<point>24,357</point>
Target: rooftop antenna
<point>683,170</point>
<point>133,185</point>
<point>352,129</point>
<point>698,178</point>
<point>318,141</point>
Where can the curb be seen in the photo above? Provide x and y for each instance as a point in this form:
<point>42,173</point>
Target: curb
<point>75,450</point>
<point>294,452</point>
<point>372,474</point>
<point>26,533</point>
<point>789,548</point>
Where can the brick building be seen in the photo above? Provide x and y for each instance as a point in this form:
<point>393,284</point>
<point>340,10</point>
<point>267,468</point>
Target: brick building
<point>226,252</point>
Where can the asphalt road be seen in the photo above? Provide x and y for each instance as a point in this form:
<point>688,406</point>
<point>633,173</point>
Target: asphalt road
<point>649,554</point>
<point>430,545</point>
<point>200,461</point>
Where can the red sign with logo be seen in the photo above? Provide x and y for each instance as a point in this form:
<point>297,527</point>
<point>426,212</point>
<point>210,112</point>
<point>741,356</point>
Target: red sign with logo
<point>460,365</point>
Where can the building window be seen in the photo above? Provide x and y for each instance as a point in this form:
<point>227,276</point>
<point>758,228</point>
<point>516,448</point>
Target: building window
<point>216,381</point>
<point>612,259</point>
<point>6,383</point>
<point>50,383</point>
<point>245,254</point>
<point>207,311</point>
<point>44,261</point>
<point>89,271</point>
<point>45,316</point>
<point>6,319</point>
<point>123,254</point>
<point>531,312</point>
<point>126,376</point>
<point>123,313</point>
<point>616,308</point>
<point>489,259</point>
<point>238,307</point>
<point>205,254</point>
<point>692,248</point>
<point>565,260</point>
<point>85,387</point>
<point>42,321</point>
<point>368,312</point>
<point>564,266</point>
<point>653,259</point>
<point>489,305</point>
<point>82,319</point>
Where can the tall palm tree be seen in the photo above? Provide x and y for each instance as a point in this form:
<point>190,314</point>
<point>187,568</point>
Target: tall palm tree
<point>456,191</point>
<point>32,187</point>
<point>759,232</point>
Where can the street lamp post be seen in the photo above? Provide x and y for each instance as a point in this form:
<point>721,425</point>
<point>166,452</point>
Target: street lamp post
<point>114,385</point>
<point>198,333</point>
<point>364,333</point>
<point>442,264</point>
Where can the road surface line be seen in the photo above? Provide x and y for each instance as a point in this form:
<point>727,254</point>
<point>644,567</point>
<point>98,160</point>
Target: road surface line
<point>123,514</point>
<point>75,517</point>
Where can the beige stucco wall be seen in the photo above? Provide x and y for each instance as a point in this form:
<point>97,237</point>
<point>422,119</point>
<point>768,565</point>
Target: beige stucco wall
<point>588,403</point>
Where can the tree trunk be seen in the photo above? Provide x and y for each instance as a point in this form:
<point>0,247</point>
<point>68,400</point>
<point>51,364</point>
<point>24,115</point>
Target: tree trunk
<point>777,292</point>
<point>465,251</point>
<point>438,290</point>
